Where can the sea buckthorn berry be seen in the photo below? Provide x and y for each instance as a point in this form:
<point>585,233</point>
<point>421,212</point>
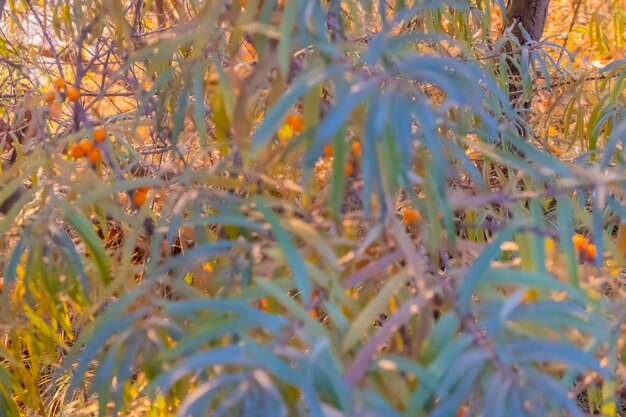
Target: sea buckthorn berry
<point>139,198</point>
<point>50,97</point>
<point>349,169</point>
<point>94,155</point>
<point>77,151</point>
<point>59,83</point>
<point>590,251</point>
<point>356,147</point>
<point>296,122</point>
<point>99,135</point>
<point>463,411</point>
<point>86,145</point>
<point>411,215</point>
<point>328,150</point>
<point>580,242</point>
<point>73,94</point>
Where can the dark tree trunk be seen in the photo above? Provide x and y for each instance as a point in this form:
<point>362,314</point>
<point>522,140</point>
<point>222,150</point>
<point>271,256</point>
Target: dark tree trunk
<point>531,14</point>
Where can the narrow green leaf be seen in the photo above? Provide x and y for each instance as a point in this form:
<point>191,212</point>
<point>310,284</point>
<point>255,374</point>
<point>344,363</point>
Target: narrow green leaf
<point>371,312</point>
<point>86,231</point>
<point>289,249</point>
<point>286,28</point>
<point>481,265</point>
<point>199,105</point>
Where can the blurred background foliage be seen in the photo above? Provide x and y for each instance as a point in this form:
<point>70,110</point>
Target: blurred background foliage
<point>286,208</point>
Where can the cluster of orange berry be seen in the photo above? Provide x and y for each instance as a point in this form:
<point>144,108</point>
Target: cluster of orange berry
<point>140,196</point>
<point>72,93</point>
<point>294,124</point>
<point>356,149</point>
<point>585,249</point>
<point>88,148</point>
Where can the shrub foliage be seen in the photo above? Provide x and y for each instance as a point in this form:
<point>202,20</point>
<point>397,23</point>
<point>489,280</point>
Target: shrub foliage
<point>285,208</point>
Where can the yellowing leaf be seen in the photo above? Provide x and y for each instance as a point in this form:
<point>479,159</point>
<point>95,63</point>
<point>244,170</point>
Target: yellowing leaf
<point>530,296</point>
<point>393,306</point>
<point>554,149</point>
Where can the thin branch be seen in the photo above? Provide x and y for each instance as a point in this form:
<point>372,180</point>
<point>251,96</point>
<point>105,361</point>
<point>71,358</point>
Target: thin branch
<point>47,38</point>
<point>462,201</point>
<point>569,30</point>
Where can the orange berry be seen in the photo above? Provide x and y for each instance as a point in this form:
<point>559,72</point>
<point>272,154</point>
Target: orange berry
<point>59,83</point>
<point>349,169</point>
<point>296,122</point>
<point>99,135</point>
<point>474,156</point>
<point>411,215</point>
<point>143,190</point>
<point>77,151</point>
<point>86,145</point>
<point>139,198</point>
<point>73,94</point>
<point>94,155</point>
<point>328,150</point>
<point>50,97</point>
<point>580,242</point>
<point>590,251</point>
<point>356,147</point>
